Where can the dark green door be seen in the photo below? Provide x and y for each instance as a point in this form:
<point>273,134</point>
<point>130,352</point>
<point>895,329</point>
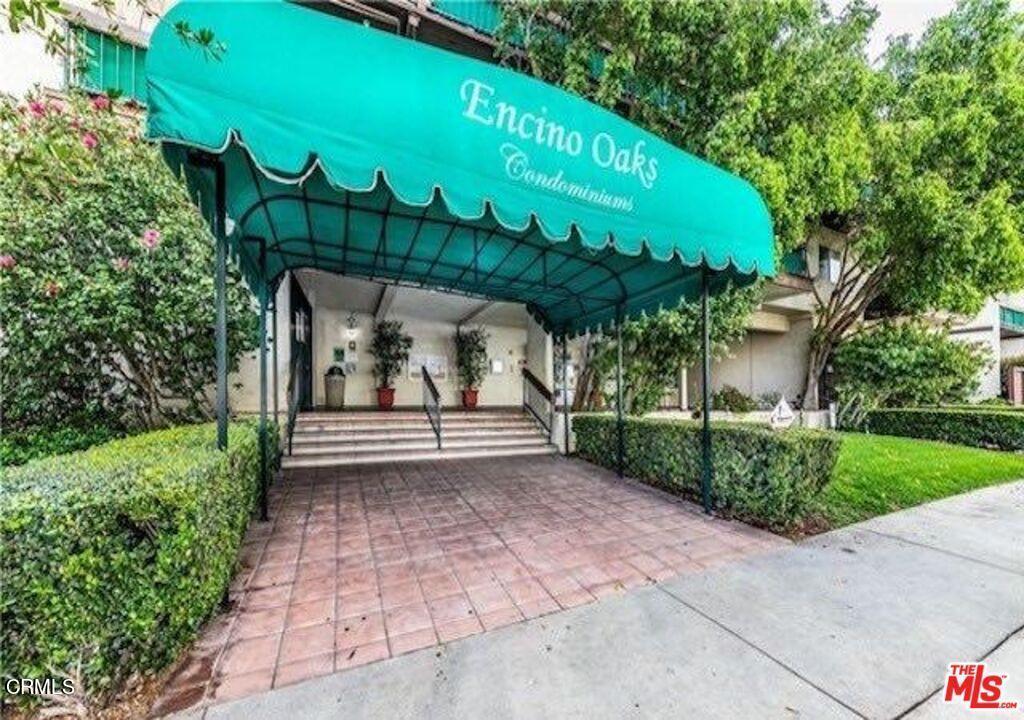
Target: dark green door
<point>302,344</point>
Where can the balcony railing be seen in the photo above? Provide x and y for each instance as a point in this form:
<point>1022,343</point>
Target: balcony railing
<point>1011,319</point>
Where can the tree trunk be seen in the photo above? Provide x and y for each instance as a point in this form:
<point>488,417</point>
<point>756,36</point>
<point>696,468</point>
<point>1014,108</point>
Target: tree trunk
<point>817,358</point>
<point>840,313</point>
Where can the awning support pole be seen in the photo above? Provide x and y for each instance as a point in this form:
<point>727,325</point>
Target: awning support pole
<point>220,300</point>
<point>264,298</point>
<point>620,464</point>
<point>706,469</point>
<point>565,390</point>
<point>273,339</point>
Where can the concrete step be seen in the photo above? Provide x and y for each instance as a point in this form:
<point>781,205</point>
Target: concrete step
<point>364,448</point>
<point>391,435</point>
<point>447,423</point>
<point>387,415</point>
<point>342,459</point>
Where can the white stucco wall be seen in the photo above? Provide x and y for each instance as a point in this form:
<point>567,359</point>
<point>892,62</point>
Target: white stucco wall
<point>539,356</point>
<point>761,363</point>
<point>244,385</point>
<point>330,326</point>
<point>25,64</point>
<point>984,329</point>
<point>435,338</point>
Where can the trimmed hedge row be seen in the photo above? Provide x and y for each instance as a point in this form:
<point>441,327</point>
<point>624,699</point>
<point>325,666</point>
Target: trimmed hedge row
<point>114,556</point>
<point>763,476</point>
<point>1000,429</point>
<point>17,448</point>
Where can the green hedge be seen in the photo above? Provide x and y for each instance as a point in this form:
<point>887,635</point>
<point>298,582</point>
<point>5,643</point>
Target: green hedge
<point>762,476</point>
<point>982,407</point>
<point>17,448</point>
<point>978,427</point>
<point>113,557</point>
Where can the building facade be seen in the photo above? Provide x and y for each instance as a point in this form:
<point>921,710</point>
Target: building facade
<point>769,362</point>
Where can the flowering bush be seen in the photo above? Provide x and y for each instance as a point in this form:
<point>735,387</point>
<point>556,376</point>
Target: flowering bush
<point>106,275</point>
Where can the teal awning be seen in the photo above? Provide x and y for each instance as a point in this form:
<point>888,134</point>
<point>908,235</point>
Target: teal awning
<point>360,152</point>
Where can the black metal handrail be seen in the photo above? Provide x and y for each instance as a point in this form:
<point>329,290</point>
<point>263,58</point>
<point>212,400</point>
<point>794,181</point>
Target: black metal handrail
<point>432,404</point>
<point>538,401</point>
<point>294,397</point>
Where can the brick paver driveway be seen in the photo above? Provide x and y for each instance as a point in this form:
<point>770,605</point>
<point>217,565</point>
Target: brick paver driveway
<point>360,564</point>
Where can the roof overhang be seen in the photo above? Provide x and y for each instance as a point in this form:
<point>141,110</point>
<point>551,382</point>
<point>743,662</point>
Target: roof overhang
<point>356,151</point>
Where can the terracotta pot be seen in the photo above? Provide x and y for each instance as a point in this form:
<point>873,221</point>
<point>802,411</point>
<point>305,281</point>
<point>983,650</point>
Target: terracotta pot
<point>385,398</point>
<point>469,398</point>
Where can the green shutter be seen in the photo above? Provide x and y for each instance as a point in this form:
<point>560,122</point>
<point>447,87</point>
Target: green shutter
<point>109,65</point>
<point>482,15</point>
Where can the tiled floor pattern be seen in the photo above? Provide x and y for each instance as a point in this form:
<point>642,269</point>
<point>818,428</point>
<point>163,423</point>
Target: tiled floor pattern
<point>364,563</point>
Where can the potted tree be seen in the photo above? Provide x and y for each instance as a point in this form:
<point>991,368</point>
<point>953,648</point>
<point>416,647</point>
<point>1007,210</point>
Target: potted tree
<point>390,348</point>
<point>471,363</point>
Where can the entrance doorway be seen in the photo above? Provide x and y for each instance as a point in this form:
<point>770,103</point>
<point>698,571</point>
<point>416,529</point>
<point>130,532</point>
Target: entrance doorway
<point>302,345</point>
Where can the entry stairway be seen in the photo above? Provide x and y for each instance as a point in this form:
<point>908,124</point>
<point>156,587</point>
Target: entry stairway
<point>326,439</point>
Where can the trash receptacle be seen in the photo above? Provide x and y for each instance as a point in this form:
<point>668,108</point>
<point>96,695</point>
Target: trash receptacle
<point>334,387</point>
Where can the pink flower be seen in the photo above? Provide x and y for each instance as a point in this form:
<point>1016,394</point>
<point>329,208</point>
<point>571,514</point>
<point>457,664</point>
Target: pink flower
<point>121,264</point>
<point>150,238</point>
<point>101,102</point>
<point>37,108</point>
<point>51,289</point>
<point>7,262</point>
<point>89,140</point>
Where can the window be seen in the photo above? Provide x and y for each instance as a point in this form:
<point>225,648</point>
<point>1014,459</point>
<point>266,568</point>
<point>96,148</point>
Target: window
<point>829,261</point>
<point>103,63</point>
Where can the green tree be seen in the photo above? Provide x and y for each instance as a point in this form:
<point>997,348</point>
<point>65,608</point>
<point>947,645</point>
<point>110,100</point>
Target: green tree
<point>940,225</point>
<point>775,91</point>
<point>106,274</point>
<point>778,92</point>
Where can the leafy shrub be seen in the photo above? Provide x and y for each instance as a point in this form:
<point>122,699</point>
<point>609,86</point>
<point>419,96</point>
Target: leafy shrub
<point>20,446</point>
<point>728,399</point>
<point>113,557</point>
<point>106,274</point>
<point>763,476</point>
<point>732,400</point>
<point>768,400</point>
<point>979,427</point>
<point>906,364</point>
<point>656,346</point>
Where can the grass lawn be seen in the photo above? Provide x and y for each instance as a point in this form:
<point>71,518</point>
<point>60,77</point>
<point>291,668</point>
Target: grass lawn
<point>878,474</point>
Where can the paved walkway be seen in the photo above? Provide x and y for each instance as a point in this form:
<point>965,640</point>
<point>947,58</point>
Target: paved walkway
<point>365,563</point>
<point>859,622</point>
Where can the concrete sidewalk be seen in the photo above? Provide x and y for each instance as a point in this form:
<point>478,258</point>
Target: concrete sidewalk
<point>860,622</point>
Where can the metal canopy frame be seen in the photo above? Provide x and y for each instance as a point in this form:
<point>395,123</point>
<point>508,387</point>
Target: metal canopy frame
<point>389,265</point>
